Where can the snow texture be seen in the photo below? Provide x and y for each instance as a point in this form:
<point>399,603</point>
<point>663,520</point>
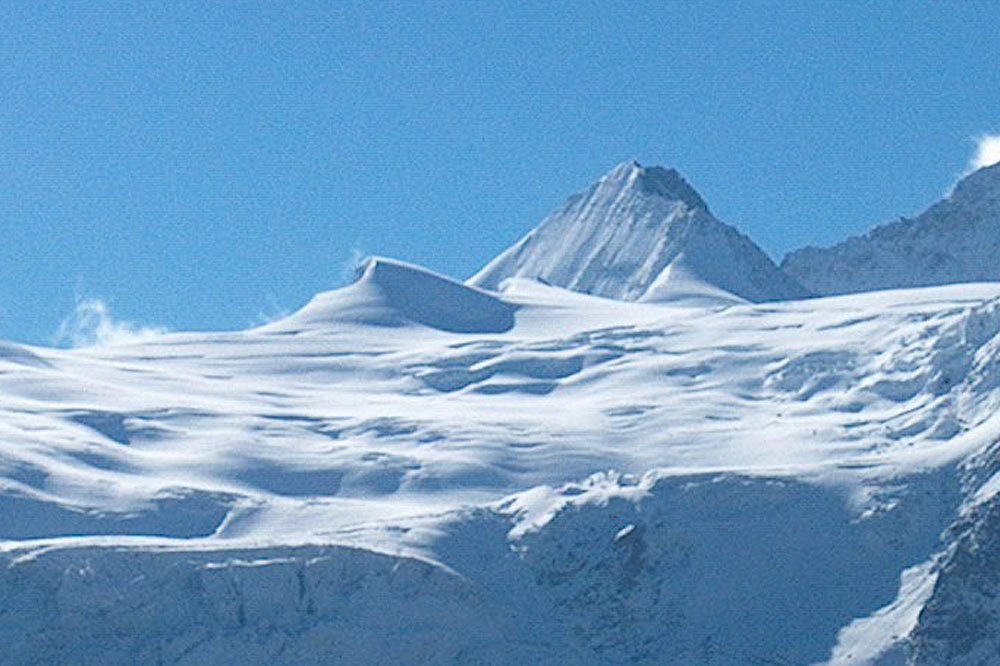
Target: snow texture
<point>360,479</point>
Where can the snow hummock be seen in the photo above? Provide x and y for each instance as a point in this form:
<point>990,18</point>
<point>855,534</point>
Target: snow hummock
<point>641,233</point>
<point>956,240</point>
<point>390,293</point>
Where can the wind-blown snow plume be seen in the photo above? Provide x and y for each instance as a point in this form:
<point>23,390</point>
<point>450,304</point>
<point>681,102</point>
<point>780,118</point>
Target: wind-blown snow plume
<point>272,311</point>
<point>91,324</point>
<point>352,264</point>
<point>987,152</point>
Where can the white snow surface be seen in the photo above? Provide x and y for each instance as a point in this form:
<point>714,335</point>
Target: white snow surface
<point>641,233</point>
<point>954,241</point>
<point>483,477</point>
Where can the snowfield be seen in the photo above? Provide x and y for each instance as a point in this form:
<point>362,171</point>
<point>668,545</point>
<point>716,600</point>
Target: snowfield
<point>613,480</point>
<point>415,470</point>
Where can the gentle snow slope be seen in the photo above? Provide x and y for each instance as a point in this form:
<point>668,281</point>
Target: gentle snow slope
<point>392,293</point>
<point>641,234</point>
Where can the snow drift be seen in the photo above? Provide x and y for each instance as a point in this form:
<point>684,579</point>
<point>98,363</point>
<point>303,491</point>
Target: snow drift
<point>387,292</point>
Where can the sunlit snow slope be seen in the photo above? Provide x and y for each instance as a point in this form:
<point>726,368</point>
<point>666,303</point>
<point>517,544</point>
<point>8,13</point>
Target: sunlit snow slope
<point>412,470</point>
<point>642,233</point>
<point>623,441</point>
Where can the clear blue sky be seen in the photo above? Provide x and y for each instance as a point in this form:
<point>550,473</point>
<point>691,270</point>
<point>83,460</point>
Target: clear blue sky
<point>200,165</point>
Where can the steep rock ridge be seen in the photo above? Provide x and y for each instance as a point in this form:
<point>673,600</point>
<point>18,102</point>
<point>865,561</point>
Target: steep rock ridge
<point>960,623</point>
<point>955,240</point>
<point>641,233</point>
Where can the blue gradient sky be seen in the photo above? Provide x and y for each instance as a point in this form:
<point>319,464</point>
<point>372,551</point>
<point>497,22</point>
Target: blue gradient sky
<point>203,165</point>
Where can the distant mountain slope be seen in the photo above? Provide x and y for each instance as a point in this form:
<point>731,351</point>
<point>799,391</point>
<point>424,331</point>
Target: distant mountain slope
<point>955,240</point>
<point>641,233</point>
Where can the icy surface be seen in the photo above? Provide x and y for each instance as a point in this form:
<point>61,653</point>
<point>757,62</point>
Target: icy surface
<point>412,470</point>
<point>641,233</point>
<point>955,240</point>
<point>521,469</point>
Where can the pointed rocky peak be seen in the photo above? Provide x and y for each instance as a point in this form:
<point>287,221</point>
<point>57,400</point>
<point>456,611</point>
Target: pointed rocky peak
<point>633,235</point>
<point>656,181</point>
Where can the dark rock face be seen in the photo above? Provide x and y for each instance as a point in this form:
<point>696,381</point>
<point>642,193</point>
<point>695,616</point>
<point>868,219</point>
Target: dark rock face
<point>960,624</point>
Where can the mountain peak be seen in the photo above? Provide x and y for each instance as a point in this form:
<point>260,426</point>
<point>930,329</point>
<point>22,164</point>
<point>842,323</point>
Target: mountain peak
<point>656,181</point>
<point>640,233</point>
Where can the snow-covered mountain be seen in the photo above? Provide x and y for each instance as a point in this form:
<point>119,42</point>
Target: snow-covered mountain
<point>410,470</point>
<point>416,470</point>
<point>955,240</point>
<point>641,234</point>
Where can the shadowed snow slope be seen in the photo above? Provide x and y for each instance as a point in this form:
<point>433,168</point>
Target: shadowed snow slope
<point>955,240</point>
<point>631,235</point>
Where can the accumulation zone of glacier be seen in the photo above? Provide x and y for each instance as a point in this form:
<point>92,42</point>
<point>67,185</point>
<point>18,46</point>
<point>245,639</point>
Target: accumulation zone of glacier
<point>703,467</point>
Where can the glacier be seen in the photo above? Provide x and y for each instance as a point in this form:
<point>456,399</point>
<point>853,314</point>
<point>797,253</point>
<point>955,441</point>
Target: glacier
<point>413,469</point>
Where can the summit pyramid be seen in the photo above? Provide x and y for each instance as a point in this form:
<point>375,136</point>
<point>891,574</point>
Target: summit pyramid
<point>641,234</point>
